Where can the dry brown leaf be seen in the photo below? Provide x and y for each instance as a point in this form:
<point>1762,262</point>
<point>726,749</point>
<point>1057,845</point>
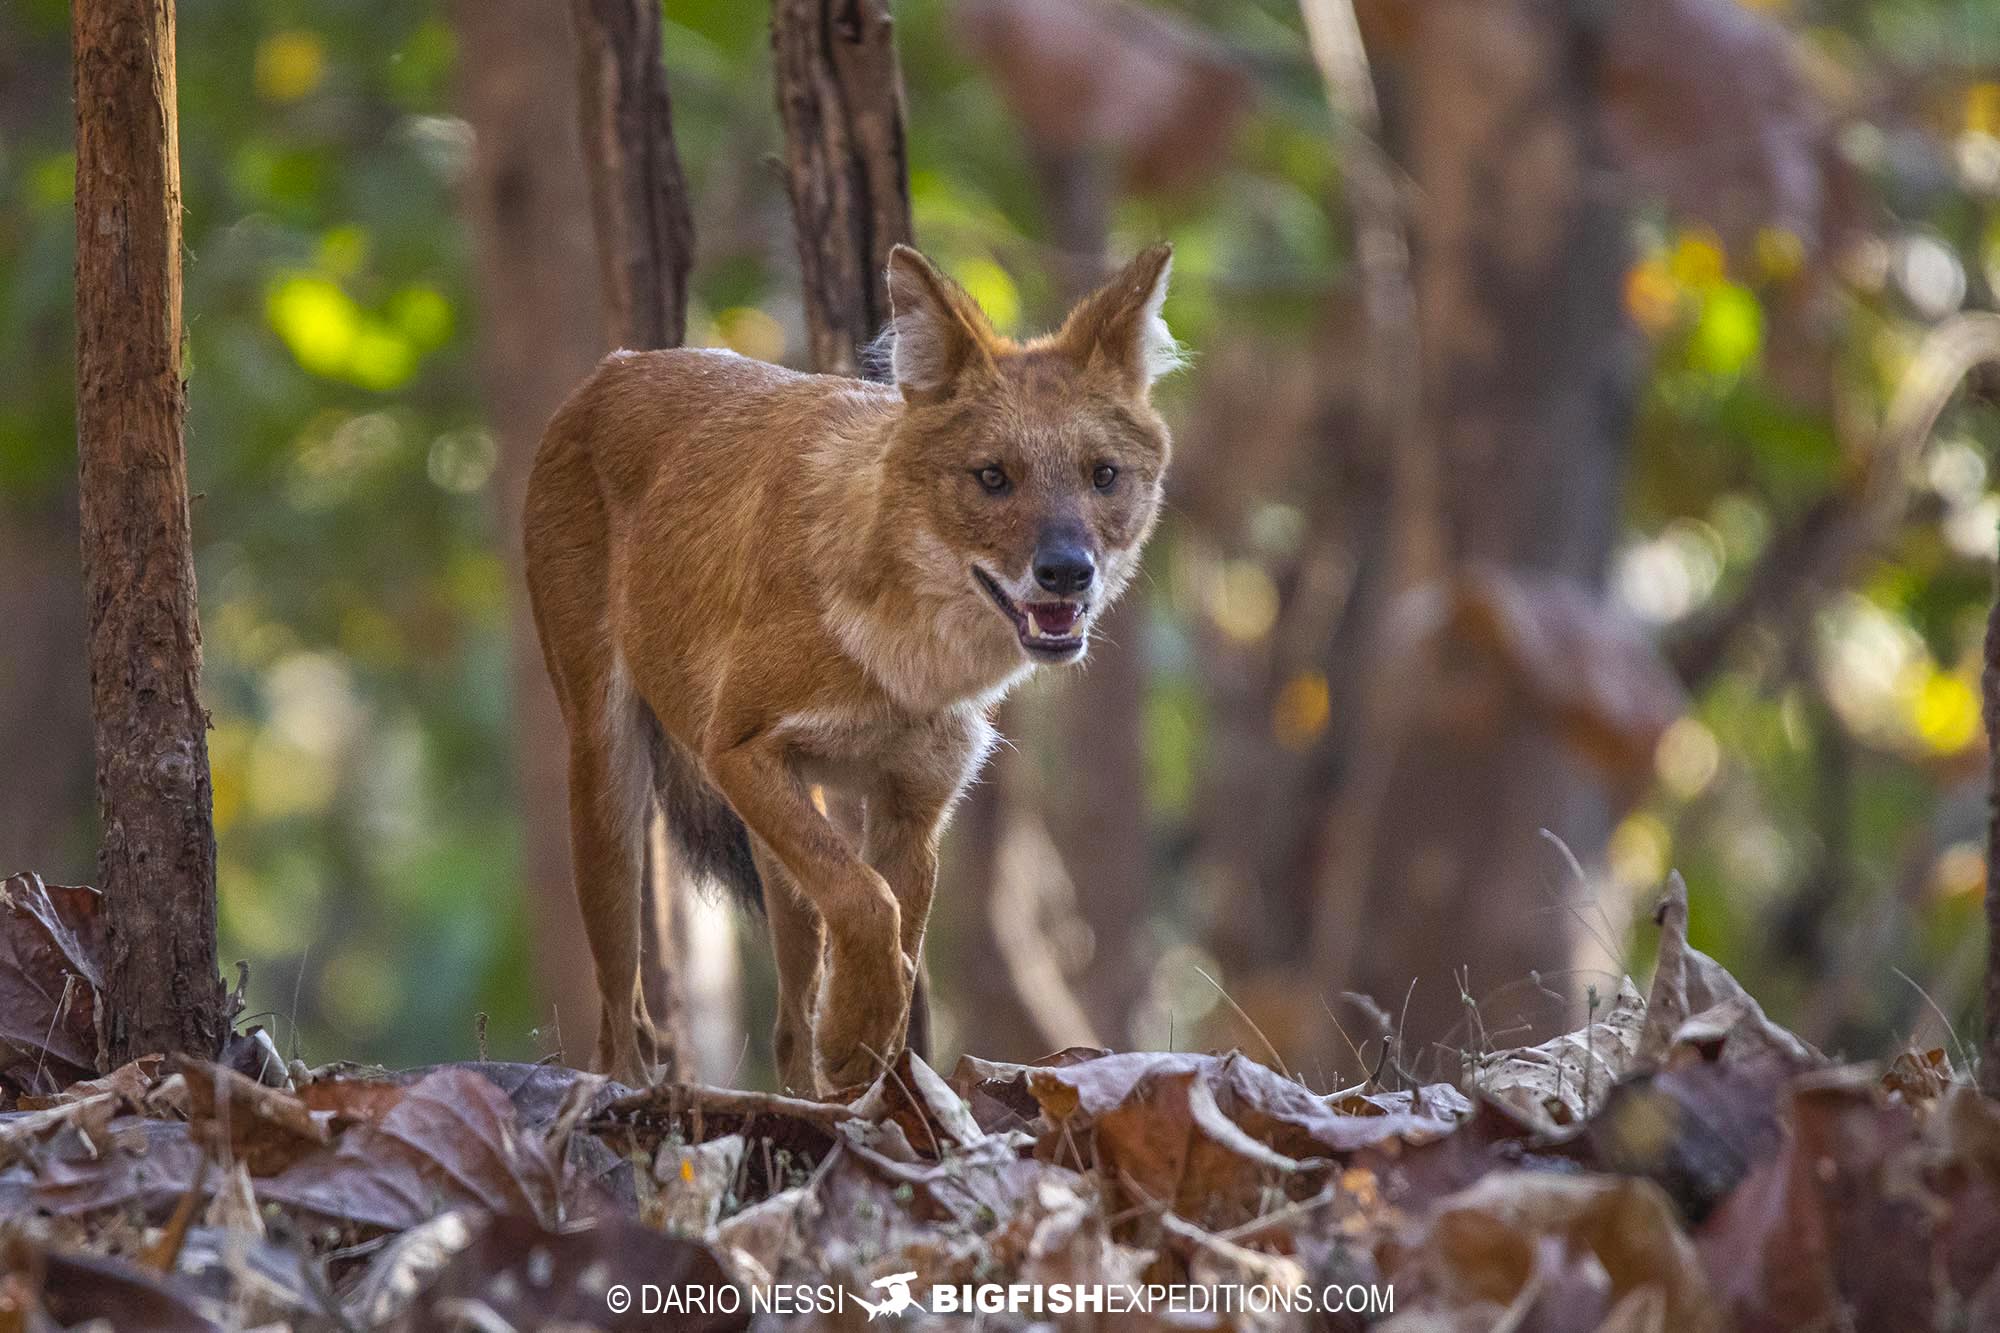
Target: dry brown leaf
<point>1862,1220</point>
<point>68,1290</point>
<point>1695,1003</point>
<point>1217,1139</point>
<point>1695,1129</point>
<point>1563,1080</point>
<point>997,1093</point>
<point>691,1184</point>
<point>131,1081</point>
<point>452,1140</point>
<point>127,1165</point>
<point>784,1135</point>
<point>239,1120</point>
<point>519,1276</point>
<point>50,985</point>
<point>1539,1250</point>
<point>933,1117</point>
<point>1919,1077</point>
<point>1437,1101</point>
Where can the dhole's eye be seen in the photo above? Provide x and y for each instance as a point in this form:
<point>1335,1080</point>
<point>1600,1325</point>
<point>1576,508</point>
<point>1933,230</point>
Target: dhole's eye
<point>1104,476</point>
<point>994,478</point>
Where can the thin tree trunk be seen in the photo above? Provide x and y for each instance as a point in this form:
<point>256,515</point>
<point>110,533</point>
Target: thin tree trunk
<point>1095,803</point>
<point>645,250</point>
<point>1989,1051</point>
<point>157,861</point>
<point>840,95</point>
<point>541,331</point>
<point>645,233</point>
<point>1436,861</point>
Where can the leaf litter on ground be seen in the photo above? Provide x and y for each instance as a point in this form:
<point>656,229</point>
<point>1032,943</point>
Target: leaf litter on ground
<point>1679,1162</point>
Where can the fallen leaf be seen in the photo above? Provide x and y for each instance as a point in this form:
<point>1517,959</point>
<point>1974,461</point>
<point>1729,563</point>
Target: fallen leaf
<point>73,1289</point>
<point>50,984</point>
<point>1694,1002</point>
<point>518,1275</point>
<point>1860,1220</point>
<point>1214,1138</point>
<point>930,1113</point>
<point>1563,1080</point>
<point>1695,1129</point>
<point>452,1140</point>
<point>1539,1250</point>
<point>239,1120</point>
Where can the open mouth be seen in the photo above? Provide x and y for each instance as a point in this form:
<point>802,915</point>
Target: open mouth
<point>1047,629</point>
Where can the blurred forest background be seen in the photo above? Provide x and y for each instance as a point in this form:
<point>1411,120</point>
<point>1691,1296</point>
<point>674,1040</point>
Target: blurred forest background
<point>1531,476</point>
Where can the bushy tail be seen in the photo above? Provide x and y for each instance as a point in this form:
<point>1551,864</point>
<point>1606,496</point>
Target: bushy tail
<point>707,838</point>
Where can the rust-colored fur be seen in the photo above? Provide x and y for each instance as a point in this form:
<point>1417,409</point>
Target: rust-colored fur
<point>750,583</point>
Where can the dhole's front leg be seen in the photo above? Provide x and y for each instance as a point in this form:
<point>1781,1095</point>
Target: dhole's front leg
<point>901,844</point>
<point>866,992</point>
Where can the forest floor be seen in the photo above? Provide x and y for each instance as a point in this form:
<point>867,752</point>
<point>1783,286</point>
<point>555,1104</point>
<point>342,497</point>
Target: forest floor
<point>1682,1164</point>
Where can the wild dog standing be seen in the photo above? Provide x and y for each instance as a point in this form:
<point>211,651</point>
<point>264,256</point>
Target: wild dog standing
<point>750,582</point>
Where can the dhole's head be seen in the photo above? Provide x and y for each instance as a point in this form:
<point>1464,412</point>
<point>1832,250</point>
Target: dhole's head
<point>1032,470</point>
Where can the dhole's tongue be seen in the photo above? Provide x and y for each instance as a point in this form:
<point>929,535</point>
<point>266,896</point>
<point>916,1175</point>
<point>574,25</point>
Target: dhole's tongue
<point>1055,619</point>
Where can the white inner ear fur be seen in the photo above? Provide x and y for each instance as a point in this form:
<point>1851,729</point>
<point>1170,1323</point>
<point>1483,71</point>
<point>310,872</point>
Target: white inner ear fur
<point>920,334</point>
<point>1159,354</point>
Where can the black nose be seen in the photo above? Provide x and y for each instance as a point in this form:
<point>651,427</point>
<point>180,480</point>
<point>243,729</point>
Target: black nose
<point>1064,566</point>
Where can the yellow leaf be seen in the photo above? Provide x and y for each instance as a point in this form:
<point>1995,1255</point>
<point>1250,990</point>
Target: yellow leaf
<point>1698,261</point>
<point>290,65</point>
<point>1301,711</point>
<point>1945,713</point>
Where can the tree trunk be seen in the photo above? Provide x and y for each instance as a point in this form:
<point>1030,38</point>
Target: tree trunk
<point>645,249</point>
<point>645,233</point>
<point>157,862</point>
<point>840,95</point>
<point>1527,385</point>
<point>1989,1051</point>
<point>1095,801</point>
<point>541,330</point>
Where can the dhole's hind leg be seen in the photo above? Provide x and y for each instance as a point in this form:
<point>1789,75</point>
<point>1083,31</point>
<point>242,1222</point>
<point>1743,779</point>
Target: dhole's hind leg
<point>607,824</point>
<point>796,945</point>
<point>568,557</point>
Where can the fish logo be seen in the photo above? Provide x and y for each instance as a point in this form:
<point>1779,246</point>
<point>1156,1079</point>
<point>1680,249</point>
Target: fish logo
<point>896,1296</point>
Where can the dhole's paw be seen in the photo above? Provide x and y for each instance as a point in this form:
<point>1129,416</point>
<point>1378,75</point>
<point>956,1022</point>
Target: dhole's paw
<point>861,1017</point>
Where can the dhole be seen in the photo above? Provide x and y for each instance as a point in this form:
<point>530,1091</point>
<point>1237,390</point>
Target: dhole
<point>751,583</point>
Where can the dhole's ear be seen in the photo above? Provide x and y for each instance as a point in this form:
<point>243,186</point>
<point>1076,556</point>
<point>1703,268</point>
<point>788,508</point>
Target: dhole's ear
<point>936,330</point>
<point>1118,326</point>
